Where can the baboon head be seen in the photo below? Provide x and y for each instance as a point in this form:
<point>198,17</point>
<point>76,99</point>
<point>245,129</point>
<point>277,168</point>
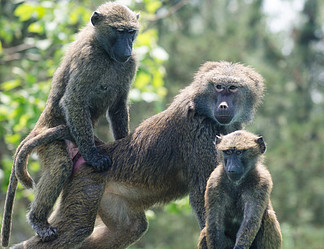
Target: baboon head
<point>232,90</point>
<point>241,151</point>
<point>116,28</point>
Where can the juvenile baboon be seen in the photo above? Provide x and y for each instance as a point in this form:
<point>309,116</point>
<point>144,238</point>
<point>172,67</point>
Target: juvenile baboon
<point>239,213</point>
<point>168,156</point>
<point>94,77</point>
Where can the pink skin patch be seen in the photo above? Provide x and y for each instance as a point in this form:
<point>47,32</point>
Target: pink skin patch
<point>75,155</point>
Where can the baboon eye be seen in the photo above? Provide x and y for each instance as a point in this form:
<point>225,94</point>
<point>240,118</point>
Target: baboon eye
<point>227,152</point>
<point>233,88</point>
<point>238,152</point>
<point>219,88</point>
<point>120,30</point>
<point>131,31</point>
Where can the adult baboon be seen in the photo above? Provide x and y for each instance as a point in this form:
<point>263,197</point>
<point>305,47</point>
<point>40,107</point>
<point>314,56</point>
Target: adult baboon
<point>168,156</point>
<point>239,213</point>
<point>94,77</point>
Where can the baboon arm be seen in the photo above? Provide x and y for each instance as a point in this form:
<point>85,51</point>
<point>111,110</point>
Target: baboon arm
<point>216,208</point>
<point>118,117</point>
<point>79,122</point>
<point>253,213</point>
<point>77,113</point>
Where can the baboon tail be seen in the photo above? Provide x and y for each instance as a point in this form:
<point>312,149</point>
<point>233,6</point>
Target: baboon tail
<point>43,138</point>
<point>11,192</point>
<point>7,213</point>
<point>19,171</point>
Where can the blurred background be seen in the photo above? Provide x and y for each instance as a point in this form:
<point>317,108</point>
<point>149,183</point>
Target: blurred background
<point>282,39</point>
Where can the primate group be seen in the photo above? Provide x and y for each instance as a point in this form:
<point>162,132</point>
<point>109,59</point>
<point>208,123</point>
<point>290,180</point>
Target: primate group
<point>196,147</point>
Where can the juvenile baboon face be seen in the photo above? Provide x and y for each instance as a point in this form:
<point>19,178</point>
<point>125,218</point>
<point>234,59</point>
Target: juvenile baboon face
<point>241,150</point>
<point>116,31</point>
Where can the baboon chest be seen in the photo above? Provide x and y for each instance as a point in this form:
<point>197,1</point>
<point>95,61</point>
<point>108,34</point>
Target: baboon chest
<point>112,86</point>
<point>234,212</point>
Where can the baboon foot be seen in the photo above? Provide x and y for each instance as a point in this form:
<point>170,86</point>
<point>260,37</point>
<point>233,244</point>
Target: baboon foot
<point>43,229</point>
<point>46,233</point>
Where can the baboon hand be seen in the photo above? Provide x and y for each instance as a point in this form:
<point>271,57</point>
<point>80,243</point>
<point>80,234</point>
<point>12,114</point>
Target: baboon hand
<point>100,162</point>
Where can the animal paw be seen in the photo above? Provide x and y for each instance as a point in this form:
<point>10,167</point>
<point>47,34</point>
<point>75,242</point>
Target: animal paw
<point>42,228</point>
<point>47,234</point>
<point>100,162</point>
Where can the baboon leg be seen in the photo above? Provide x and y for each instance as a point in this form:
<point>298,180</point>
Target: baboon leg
<point>269,235</point>
<point>45,194</point>
<point>124,225</point>
<point>75,215</point>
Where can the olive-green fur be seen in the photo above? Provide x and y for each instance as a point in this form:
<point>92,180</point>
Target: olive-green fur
<point>240,140</point>
<point>87,84</point>
<point>166,157</point>
<point>239,214</point>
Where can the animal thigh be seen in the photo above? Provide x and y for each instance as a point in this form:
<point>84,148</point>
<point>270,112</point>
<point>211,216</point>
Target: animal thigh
<point>269,235</point>
<point>57,168</point>
<point>76,212</point>
<point>124,222</point>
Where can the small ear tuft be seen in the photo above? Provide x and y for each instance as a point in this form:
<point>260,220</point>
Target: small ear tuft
<point>137,15</point>
<point>218,139</point>
<point>261,144</point>
<point>95,18</point>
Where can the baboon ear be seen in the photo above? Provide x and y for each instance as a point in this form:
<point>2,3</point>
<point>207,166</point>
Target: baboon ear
<point>218,139</point>
<point>261,144</point>
<point>95,18</point>
<point>137,15</point>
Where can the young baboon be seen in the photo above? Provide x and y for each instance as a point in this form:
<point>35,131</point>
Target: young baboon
<point>94,77</point>
<point>239,213</point>
<point>168,156</point>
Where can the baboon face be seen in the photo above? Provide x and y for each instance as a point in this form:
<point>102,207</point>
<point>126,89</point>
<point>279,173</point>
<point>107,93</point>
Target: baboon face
<point>232,92</point>
<point>241,151</point>
<point>227,93</point>
<point>116,31</point>
<point>221,99</point>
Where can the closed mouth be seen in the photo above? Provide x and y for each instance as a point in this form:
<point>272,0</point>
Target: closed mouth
<point>224,119</point>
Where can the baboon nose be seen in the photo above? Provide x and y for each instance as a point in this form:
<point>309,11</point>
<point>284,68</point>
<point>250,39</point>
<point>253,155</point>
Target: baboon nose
<point>223,106</point>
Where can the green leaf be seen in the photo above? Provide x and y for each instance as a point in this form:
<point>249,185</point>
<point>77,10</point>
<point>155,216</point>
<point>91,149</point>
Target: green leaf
<point>36,28</point>
<point>142,80</point>
<point>12,139</point>
<point>24,12</point>
<point>41,11</point>
<point>152,6</point>
<point>79,14</point>
<point>9,85</point>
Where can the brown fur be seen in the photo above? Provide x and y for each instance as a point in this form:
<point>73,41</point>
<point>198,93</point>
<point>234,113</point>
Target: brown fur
<point>168,156</point>
<point>239,213</point>
<point>90,81</point>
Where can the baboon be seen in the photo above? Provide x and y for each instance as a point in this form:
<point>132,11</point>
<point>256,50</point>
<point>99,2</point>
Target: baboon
<point>94,77</point>
<point>239,213</point>
<point>168,156</point>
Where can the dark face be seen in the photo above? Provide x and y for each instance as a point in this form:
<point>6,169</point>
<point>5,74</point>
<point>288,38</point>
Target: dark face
<point>123,44</point>
<point>234,164</point>
<point>237,163</point>
<point>226,102</point>
<point>117,42</point>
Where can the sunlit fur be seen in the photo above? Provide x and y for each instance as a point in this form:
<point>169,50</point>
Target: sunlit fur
<point>240,214</point>
<point>165,158</point>
<point>88,84</point>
